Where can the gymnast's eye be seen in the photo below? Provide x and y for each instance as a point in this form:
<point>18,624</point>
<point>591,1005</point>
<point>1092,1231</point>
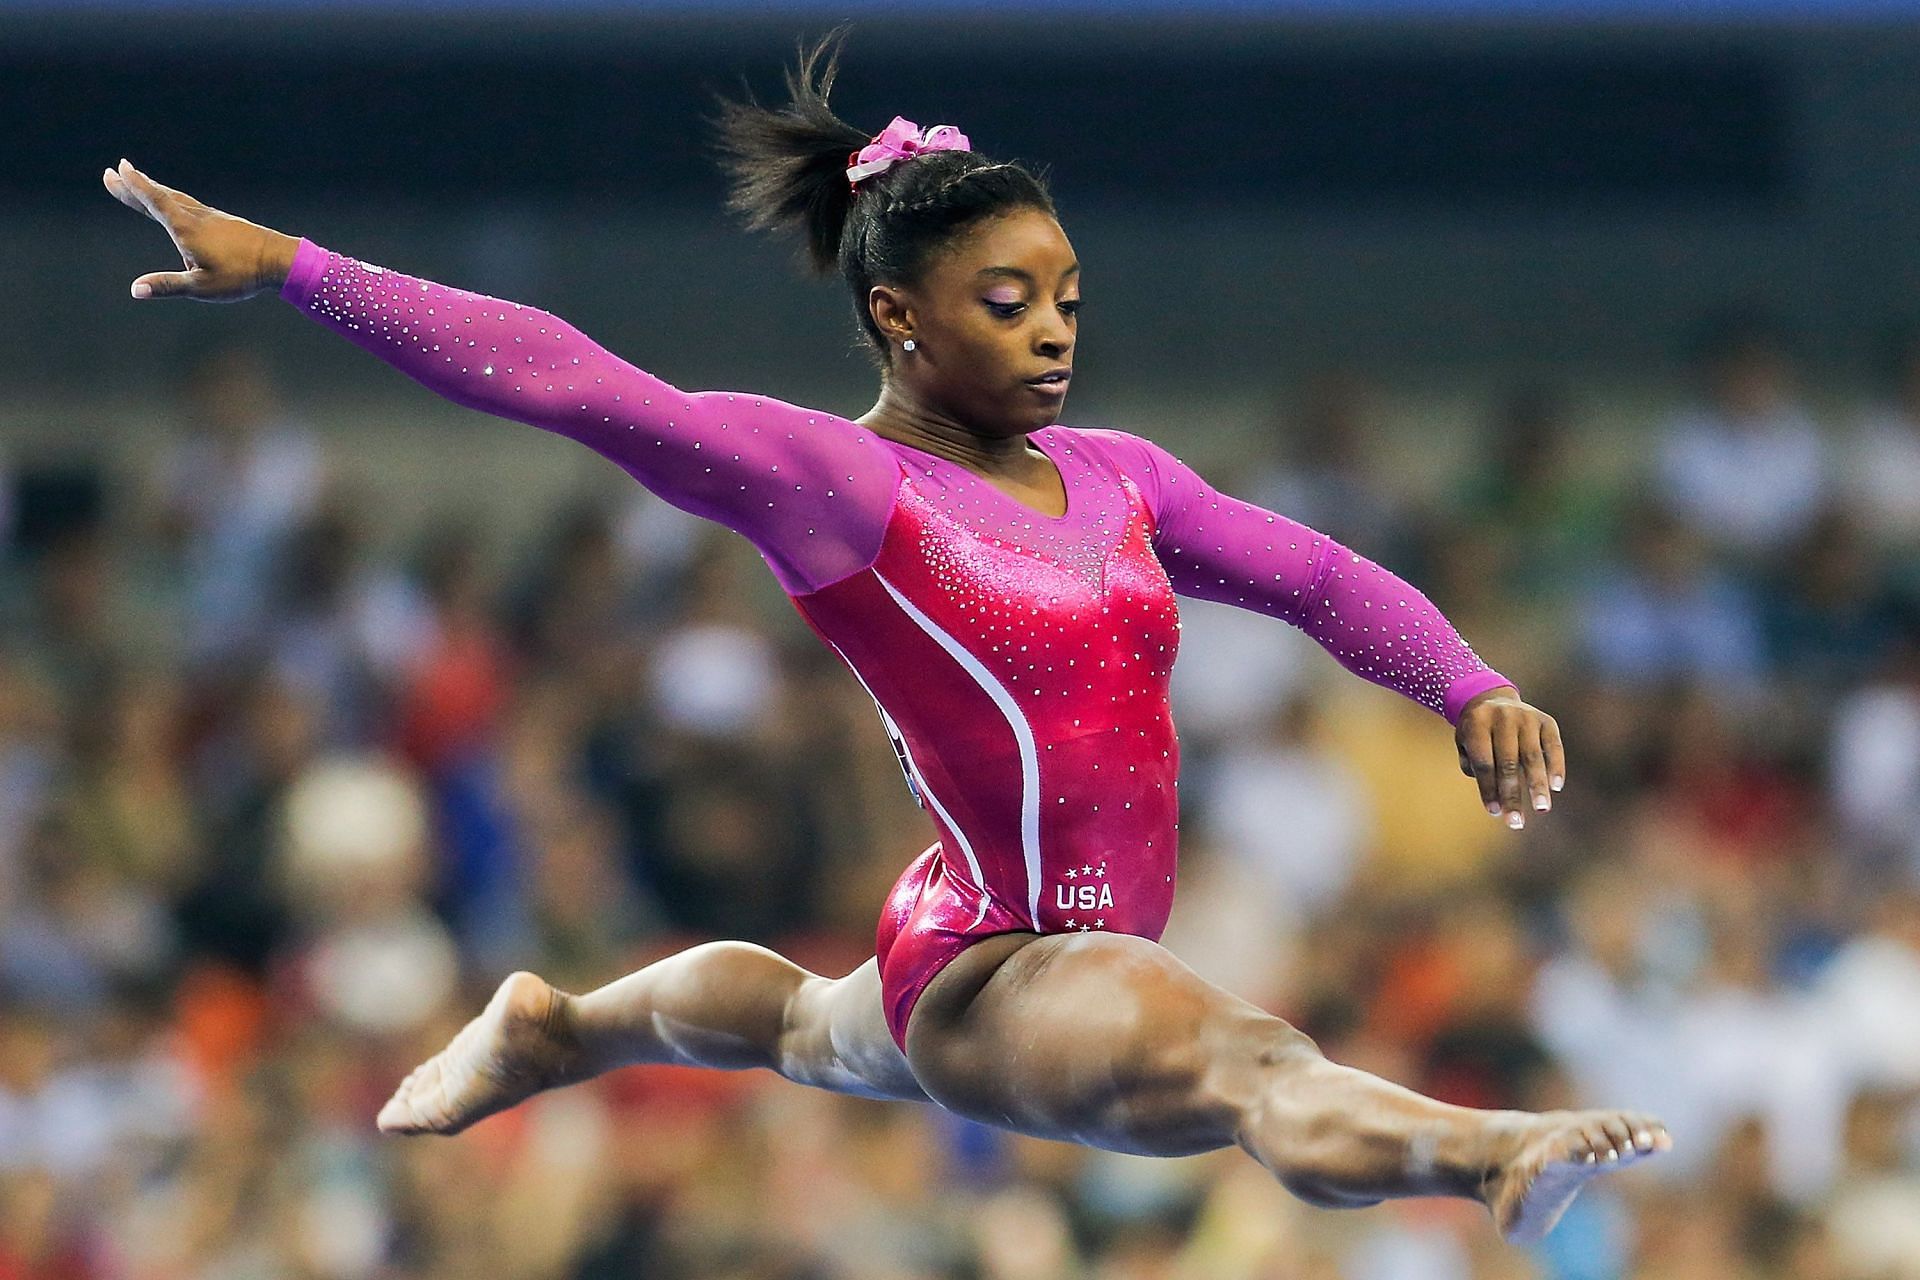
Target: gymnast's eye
<point>1005,310</point>
<point>1071,306</point>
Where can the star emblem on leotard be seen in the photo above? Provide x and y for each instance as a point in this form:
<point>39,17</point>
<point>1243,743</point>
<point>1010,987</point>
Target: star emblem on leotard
<point>1072,874</point>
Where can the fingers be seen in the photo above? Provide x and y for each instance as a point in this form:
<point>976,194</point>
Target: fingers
<point>150,194</point>
<point>164,284</point>
<point>160,202</point>
<point>1506,763</point>
<point>126,185</point>
<point>1533,764</point>
<point>122,192</point>
<point>1476,755</point>
<point>134,181</point>
<point>1515,756</point>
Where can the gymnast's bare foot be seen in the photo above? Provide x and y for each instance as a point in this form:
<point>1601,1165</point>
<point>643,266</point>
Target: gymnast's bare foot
<point>514,1049</point>
<point>1555,1156</point>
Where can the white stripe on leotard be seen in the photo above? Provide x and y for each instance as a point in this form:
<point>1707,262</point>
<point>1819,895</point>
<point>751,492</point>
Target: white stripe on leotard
<point>1022,733</point>
<point>920,778</point>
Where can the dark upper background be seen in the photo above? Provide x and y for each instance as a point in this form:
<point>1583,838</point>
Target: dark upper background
<point>1251,196</point>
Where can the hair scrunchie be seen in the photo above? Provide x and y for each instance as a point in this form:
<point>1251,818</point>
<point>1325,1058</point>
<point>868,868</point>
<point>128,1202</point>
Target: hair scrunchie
<point>901,140</point>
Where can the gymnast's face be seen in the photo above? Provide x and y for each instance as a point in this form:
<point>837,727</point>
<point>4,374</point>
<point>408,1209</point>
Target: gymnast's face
<point>993,325</point>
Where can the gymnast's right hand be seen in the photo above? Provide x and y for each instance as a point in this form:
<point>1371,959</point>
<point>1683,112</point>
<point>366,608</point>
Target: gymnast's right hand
<point>227,258</point>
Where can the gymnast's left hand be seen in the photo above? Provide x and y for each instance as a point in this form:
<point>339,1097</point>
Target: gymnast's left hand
<point>1513,751</point>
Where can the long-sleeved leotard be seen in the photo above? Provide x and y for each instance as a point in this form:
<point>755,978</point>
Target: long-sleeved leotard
<point>1020,661</point>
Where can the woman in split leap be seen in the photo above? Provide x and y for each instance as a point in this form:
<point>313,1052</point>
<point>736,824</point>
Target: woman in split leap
<point>1003,586</point>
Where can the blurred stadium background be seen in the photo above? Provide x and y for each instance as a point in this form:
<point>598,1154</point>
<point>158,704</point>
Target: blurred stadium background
<point>324,704</point>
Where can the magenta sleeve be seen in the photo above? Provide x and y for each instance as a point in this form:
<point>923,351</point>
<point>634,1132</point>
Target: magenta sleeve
<point>1377,625</point>
<point>812,491</point>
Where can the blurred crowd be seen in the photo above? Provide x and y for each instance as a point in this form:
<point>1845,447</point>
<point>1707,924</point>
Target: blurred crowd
<point>278,810</point>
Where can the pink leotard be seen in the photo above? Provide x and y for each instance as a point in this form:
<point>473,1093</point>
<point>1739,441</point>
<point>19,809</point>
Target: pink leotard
<point>1019,661</point>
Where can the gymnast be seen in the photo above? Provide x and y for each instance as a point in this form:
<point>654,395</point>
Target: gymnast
<point>1003,587</point>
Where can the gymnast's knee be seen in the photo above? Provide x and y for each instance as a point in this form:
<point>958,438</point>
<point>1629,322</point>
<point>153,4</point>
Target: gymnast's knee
<point>806,1020</point>
<point>1269,1073</point>
<point>1257,1060</point>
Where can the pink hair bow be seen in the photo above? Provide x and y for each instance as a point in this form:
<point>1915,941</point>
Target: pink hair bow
<point>902,140</point>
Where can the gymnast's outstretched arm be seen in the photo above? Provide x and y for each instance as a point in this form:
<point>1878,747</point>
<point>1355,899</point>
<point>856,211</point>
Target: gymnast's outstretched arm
<point>1376,624</point>
<point>809,489</point>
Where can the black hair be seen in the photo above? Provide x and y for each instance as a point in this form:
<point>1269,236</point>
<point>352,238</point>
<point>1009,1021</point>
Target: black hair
<point>788,169</point>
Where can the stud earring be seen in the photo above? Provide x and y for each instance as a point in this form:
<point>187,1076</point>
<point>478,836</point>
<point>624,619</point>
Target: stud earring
<point>907,345</point>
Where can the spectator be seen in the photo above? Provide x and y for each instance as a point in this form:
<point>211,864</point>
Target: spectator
<point>68,634</point>
<point>1235,671</point>
<point>1528,489</point>
<point>453,678</point>
<point>1873,765</point>
<point>1665,613</point>
<point>1746,467</point>
<point>1874,1218</point>
<point>1829,612</point>
<point>1880,462</point>
<point>1326,474</point>
<point>344,627</point>
<point>230,493</point>
<point>1290,814</point>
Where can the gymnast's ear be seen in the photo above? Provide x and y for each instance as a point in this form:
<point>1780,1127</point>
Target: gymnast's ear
<point>891,313</point>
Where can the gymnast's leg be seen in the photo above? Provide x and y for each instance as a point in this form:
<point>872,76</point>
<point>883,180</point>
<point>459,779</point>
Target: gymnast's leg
<point>730,1005</point>
<point>1108,1040</point>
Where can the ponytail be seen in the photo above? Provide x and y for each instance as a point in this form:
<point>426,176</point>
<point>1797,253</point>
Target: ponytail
<point>789,164</point>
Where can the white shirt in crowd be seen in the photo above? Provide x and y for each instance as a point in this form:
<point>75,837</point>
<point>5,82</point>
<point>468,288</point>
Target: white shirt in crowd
<point>1880,475</point>
<point>1749,486</point>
